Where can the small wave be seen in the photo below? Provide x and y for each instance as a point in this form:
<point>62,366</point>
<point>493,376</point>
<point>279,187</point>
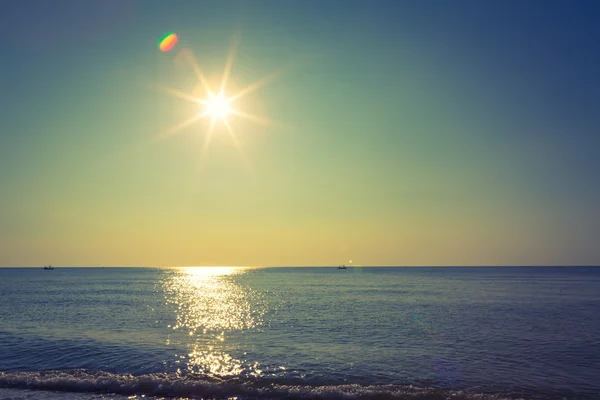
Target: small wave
<point>198,387</point>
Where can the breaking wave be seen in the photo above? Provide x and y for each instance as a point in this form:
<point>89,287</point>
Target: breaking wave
<point>199,387</point>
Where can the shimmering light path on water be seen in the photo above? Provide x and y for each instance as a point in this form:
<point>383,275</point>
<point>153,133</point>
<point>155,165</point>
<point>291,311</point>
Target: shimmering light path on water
<point>277,332</point>
<point>210,308</point>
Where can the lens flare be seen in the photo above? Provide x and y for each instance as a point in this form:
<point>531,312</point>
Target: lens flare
<point>167,42</point>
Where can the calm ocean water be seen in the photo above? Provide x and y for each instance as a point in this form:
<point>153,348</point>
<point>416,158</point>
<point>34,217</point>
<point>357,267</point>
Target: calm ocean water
<point>397,333</point>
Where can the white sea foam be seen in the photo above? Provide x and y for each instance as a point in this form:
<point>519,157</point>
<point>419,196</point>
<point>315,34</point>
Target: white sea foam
<point>108,385</point>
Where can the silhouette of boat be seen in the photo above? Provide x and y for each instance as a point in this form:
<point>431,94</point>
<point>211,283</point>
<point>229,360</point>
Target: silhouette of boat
<point>342,267</point>
<point>49,267</point>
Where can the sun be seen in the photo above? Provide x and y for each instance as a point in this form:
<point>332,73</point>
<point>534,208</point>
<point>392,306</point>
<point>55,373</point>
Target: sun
<point>217,107</point>
<point>214,105</point>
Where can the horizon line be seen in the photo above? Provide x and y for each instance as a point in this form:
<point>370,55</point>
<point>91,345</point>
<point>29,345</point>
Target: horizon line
<point>311,266</point>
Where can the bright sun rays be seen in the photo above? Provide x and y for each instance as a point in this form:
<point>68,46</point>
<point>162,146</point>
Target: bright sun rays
<point>215,103</point>
<point>217,106</point>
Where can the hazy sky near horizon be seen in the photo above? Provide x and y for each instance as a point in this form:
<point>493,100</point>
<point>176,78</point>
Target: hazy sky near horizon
<point>401,133</point>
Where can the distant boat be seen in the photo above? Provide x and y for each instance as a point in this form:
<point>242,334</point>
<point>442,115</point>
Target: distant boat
<point>49,267</point>
<point>342,267</point>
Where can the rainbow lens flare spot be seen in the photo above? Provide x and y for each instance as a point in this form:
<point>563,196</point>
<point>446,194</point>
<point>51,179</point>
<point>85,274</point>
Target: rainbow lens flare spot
<point>167,42</point>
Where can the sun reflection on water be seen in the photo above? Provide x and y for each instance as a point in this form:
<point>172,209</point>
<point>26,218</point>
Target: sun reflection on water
<point>209,305</point>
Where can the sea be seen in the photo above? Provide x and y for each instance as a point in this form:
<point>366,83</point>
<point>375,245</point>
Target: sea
<point>437,333</point>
